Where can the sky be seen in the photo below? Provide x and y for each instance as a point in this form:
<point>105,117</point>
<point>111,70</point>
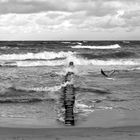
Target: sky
<point>69,19</point>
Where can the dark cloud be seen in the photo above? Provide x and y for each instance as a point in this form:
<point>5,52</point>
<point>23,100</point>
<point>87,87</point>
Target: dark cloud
<point>97,8</point>
<point>93,7</point>
<point>21,7</point>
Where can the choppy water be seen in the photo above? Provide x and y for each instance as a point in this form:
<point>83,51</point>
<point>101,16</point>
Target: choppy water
<point>31,75</point>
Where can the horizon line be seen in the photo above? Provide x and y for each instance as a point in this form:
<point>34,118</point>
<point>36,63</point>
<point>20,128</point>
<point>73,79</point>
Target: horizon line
<point>73,40</point>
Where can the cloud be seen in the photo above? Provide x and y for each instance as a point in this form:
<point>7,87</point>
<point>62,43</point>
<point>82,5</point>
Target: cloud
<point>41,22</point>
<point>131,14</point>
<point>97,8</point>
<point>35,6</point>
<point>22,7</point>
<point>33,16</point>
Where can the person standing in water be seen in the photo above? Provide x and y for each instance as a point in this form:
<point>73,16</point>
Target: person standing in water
<point>69,73</point>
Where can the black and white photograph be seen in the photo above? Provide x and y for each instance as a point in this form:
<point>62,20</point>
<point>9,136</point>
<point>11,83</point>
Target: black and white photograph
<point>69,69</point>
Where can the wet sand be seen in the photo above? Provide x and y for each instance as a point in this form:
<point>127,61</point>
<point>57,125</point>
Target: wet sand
<point>100,125</point>
<point>115,133</point>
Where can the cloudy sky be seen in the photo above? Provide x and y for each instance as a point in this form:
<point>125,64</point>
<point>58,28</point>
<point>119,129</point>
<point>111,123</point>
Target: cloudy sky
<point>69,19</point>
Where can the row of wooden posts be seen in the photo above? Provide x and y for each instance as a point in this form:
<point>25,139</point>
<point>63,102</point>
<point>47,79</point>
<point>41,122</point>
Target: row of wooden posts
<point>69,101</point>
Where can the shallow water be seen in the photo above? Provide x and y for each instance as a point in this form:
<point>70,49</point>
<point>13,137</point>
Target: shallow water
<point>92,90</point>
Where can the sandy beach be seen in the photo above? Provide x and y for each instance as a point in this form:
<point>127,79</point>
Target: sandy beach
<point>101,125</point>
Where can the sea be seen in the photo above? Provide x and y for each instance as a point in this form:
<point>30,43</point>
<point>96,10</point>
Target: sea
<point>32,72</point>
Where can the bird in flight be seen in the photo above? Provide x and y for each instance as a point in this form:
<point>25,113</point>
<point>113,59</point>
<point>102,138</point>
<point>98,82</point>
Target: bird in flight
<point>108,75</point>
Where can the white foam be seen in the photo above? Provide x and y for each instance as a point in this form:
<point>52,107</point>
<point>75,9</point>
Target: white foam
<point>76,62</point>
<point>82,61</point>
<point>97,47</point>
<point>4,47</point>
<point>79,43</point>
<point>137,68</point>
<point>52,89</point>
<point>40,63</point>
<point>41,55</point>
<point>71,57</point>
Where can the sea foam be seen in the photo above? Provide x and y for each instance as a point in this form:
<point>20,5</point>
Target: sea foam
<point>77,61</point>
<point>48,59</point>
<point>41,55</point>
<point>116,46</point>
<point>84,61</point>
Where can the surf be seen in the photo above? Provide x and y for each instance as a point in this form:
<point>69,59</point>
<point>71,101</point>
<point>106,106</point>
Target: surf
<point>116,46</point>
<point>76,60</point>
<point>46,55</point>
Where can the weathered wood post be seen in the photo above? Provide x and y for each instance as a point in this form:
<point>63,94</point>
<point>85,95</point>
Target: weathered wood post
<point>69,100</point>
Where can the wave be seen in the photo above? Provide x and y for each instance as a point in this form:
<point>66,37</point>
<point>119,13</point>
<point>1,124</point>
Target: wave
<point>8,48</point>
<point>63,58</point>
<point>94,90</point>
<point>28,95</point>
<point>77,61</point>
<point>65,42</point>
<point>83,61</point>
<point>40,89</point>
<point>20,100</point>
<point>32,63</point>
<point>111,62</point>
<point>4,47</point>
<point>116,46</point>
<point>138,68</point>
<point>40,63</point>
<point>119,55</point>
<point>41,55</point>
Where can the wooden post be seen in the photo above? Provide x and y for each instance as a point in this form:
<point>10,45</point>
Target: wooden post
<point>69,100</point>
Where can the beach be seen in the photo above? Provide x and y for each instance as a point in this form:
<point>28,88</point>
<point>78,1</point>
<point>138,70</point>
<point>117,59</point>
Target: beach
<point>101,125</point>
<point>116,133</point>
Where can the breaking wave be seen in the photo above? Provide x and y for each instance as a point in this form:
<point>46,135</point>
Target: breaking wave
<point>4,47</point>
<point>84,61</point>
<point>63,58</point>
<point>77,61</point>
<point>42,55</point>
<point>116,46</point>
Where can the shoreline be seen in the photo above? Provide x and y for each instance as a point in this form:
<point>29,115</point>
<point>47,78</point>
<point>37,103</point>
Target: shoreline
<point>69,133</point>
<point>100,125</point>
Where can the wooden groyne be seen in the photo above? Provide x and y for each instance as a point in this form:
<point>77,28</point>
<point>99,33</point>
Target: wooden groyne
<point>69,101</point>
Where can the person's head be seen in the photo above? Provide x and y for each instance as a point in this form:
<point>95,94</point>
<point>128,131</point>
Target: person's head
<point>71,64</point>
